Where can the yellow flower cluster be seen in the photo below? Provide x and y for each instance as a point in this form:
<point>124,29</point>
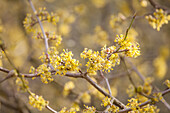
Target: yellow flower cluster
<point>132,49</point>
<point>108,57</point>
<point>100,60</point>
<point>89,109</point>
<point>20,86</point>
<point>106,101</point>
<point>134,105</point>
<point>71,110</point>
<point>43,71</point>
<point>61,64</point>
<point>37,101</point>
<point>160,17</point>
<point>113,109</point>
<point>44,15</point>
<point>65,63</point>
<point>167,83</point>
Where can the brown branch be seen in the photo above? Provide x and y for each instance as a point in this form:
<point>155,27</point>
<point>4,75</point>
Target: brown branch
<point>143,104</point>
<point>128,73</point>
<point>116,101</point>
<point>79,75</point>
<point>143,79</point>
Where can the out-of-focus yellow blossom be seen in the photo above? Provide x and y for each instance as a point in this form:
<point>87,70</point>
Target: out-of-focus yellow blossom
<point>115,22</point>
<point>86,98</point>
<point>114,91</point>
<point>80,9</point>
<point>20,85</point>
<point>98,38</point>
<point>67,18</point>
<point>89,109</point>
<point>160,62</point>
<point>64,29</point>
<point>144,3</point>
<point>99,3</point>
<point>141,98</point>
<point>132,35</point>
<point>147,87</point>
<point>160,67</point>
<point>67,87</point>
<point>160,17</point>
<point>131,91</point>
<point>167,83</point>
<point>76,106</point>
<point>37,101</point>
<point>101,36</point>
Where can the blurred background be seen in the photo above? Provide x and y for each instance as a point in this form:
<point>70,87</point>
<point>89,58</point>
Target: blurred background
<point>91,24</point>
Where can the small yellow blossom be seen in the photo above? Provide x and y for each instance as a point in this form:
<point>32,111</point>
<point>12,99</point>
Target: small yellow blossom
<point>167,83</point>
<point>106,101</point>
<point>89,109</point>
<point>37,101</point>
<point>86,98</point>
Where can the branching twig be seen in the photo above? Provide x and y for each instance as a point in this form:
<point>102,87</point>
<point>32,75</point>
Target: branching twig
<point>143,104</point>
<point>42,29</point>
<point>143,79</point>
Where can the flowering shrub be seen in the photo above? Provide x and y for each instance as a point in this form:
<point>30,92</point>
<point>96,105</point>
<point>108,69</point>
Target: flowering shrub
<point>59,68</point>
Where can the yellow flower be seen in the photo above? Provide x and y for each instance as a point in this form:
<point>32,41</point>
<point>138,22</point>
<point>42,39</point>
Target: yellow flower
<point>37,101</point>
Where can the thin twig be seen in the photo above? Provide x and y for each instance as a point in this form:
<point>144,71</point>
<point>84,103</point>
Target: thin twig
<point>116,101</point>
<point>143,104</point>
<point>41,26</point>
<point>50,109</point>
<point>129,76</point>
<point>107,82</point>
<point>143,79</point>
